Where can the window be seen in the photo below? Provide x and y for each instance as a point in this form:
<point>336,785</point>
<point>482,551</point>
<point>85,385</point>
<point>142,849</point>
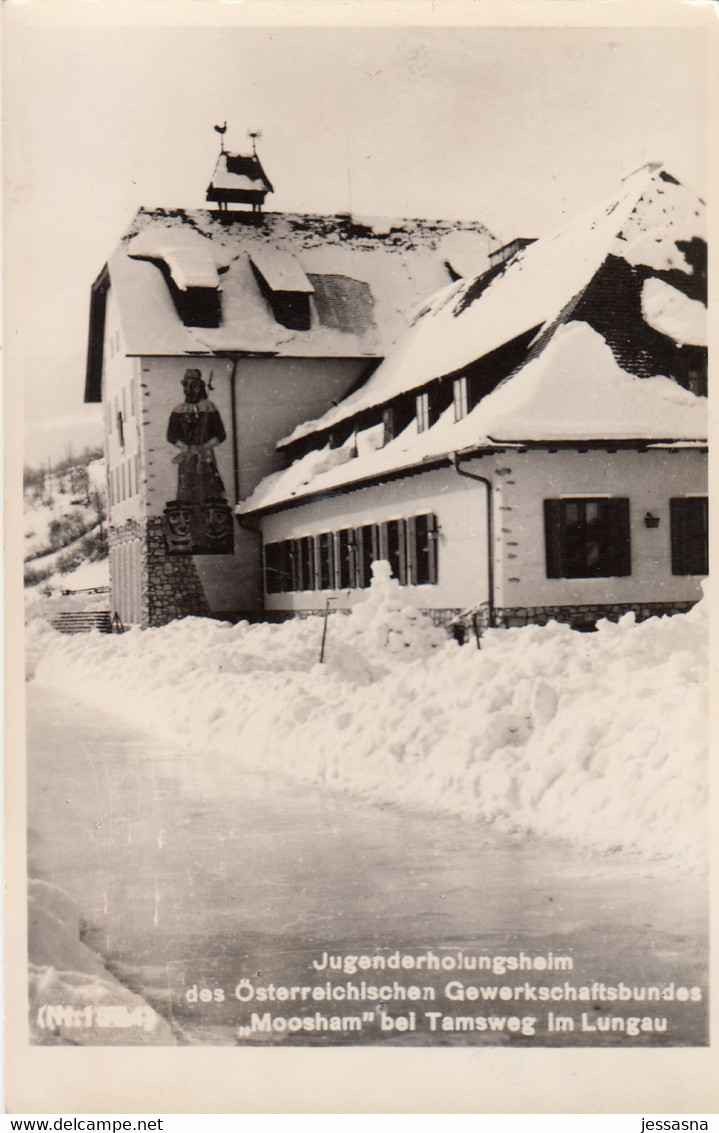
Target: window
<point>345,558</point>
<point>284,285</point>
<point>459,393</point>
<point>431,403</point>
<point>121,430</point>
<point>422,536</point>
<point>422,412</point>
<point>368,552</point>
<point>325,561</point>
<point>587,538</point>
<point>278,567</point>
<point>690,535</point>
<point>393,548</point>
<point>304,572</point>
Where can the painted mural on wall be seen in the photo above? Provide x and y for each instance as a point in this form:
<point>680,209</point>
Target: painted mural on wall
<point>199,520</point>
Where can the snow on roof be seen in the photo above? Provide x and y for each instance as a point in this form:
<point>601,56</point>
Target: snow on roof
<point>575,389</point>
<point>280,270</point>
<point>572,391</point>
<point>467,255</point>
<point>398,271</point>
<point>641,224</point>
<point>233,171</point>
<point>674,314</point>
<point>191,258</point>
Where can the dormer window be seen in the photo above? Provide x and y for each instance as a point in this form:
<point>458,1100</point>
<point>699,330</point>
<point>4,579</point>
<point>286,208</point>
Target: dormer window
<point>285,286</point>
<point>459,395</point>
<point>188,262</point>
<point>430,405</point>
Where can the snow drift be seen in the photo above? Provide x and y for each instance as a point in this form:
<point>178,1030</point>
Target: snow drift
<point>595,738</point>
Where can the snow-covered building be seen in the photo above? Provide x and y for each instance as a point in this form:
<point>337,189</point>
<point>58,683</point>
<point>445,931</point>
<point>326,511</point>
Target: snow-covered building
<point>534,448</point>
<point>212,335</point>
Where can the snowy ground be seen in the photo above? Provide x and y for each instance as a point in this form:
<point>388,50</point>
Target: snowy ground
<point>598,738</point>
<point>181,873</point>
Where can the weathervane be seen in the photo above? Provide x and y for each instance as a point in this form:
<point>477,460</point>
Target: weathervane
<point>254,134</point>
<point>221,130</point>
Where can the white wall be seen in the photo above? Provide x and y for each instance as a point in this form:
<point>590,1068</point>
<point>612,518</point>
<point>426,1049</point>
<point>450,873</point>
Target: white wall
<point>120,383</point>
<point>520,484</point>
<point>274,395</point>
<point>461,551</point>
<point>524,480</point>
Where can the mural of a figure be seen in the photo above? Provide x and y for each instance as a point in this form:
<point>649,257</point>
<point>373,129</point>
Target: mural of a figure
<point>198,521</point>
<point>195,428</point>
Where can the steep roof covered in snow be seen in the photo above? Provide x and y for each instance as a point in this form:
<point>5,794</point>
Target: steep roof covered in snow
<point>573,391</point>
<point>593,268</point>
<point>610,318</point>
<point>187,283</point>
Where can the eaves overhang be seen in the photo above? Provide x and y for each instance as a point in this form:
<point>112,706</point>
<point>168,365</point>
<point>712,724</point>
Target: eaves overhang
<point>637,444</point>
<point>96,336</point>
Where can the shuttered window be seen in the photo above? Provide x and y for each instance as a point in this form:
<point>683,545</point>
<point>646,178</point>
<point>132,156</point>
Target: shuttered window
<point>345,558</point>
<point>368,552</point>
<point>690,535</point>
<point>325,561</point>
<point>587,538</point>
<point>278,567</point>
<point>422,549</point>
<point>304,573</point>
<point>393,547</point>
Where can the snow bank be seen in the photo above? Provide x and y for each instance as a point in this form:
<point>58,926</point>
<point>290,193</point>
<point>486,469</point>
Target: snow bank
<point>95,1007</point>
<point>596,738</point>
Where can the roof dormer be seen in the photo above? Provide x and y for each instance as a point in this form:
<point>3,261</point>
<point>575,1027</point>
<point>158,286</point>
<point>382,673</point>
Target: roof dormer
<point>189,264</point>
<point>284,285</point>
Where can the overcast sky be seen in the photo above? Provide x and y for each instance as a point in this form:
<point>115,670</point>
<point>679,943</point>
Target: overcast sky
<point>516,127</point>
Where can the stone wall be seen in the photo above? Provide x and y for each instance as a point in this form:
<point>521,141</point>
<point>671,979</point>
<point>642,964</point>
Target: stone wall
<point>174,589</point>
<point>586,616</point>
<point>170,585</point>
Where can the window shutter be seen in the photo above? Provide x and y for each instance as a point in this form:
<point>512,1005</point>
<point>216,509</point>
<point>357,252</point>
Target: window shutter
<point>412,550</point>
<point>389,424</point>
<point>382,542</point>
<point>553,538</point>
<point>337,556</point>
<point>432,552</point>
<point>676,518</point>
<point>619,536</point>
<point>296,560</point>
<point>402,551</point>
<point>314,561</point>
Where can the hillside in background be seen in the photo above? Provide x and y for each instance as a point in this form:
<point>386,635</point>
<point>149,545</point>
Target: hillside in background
<point>65,539</point>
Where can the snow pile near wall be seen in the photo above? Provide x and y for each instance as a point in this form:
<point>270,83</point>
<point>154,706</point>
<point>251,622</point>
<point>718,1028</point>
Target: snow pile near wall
<point>596,738</point>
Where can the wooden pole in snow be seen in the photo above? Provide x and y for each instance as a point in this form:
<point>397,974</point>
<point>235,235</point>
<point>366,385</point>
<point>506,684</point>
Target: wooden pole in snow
<point>324,629</point>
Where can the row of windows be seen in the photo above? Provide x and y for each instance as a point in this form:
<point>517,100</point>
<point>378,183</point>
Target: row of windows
<point>584,538</point>
<point>342,560</point>
<point>124,480</point>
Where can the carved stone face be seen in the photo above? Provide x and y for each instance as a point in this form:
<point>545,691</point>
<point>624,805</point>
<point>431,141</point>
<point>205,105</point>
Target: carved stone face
<point>178,520</point>
<point>218,521</point>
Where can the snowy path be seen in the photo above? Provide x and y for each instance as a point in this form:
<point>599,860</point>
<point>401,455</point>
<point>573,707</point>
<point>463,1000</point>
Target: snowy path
<point>191,875</point>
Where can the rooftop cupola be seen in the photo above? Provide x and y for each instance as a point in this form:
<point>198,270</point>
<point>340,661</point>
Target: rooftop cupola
<point>238,179</point>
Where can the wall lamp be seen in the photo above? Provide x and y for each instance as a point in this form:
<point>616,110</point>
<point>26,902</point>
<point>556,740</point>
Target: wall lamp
<point>651,520</point>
